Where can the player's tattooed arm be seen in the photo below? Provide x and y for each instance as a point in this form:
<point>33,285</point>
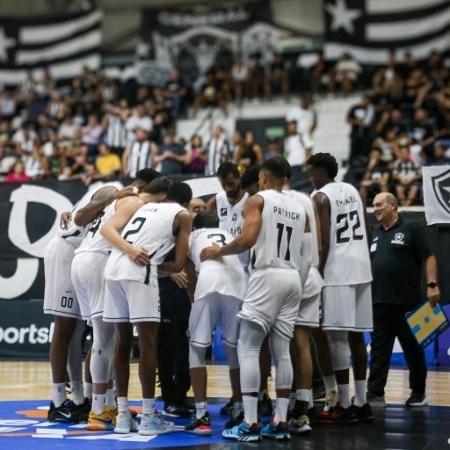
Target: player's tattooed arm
<point>252,212</point>
<point>323,211</point>
<point>182,226</point>
<point>102,198</point>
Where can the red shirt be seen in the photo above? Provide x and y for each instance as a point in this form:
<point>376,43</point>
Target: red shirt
<point>17,177</point>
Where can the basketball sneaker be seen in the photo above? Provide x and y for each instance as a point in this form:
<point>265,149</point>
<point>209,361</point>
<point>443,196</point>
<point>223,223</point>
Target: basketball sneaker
<point>244,432</point>
<point>327,411</point>
<point>279,432</point>
<point>200,427</point>
<point>234,421</point>
<point>151,426</point>
<point>176,411</point>
<point>227,409</point>
<point>300,425</point>
<point>104,421</point>
<point>125,423</point>
<point>416,400</point>
<point>344,416</point>
<point>66,412</point>
<point>83,410</point>
<point>363,413</point>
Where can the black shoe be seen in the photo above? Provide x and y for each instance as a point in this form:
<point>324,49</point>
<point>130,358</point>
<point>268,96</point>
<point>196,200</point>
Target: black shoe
<point>200,427</point>
<point>176,411</point>
<point>83,410</point>
<point>227,410</point>
<point>344,416</point>
<point>67,412</point>
<point>416,400</point>
<point>265,407</point>
<point>363,413</point>
<point>234,421</point>
<point>314,416</point>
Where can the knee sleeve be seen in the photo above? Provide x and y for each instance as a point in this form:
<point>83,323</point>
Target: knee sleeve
<point>280,352</point>
<point>340,349</point>
<point>232,356</point>
<point>251,337</point>
<point>196,356</point>
<point>75,354</point>
<point>102,351</point>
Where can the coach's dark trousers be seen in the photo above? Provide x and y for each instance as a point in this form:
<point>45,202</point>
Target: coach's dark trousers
<point>173,345</point>
<point>388,323</point>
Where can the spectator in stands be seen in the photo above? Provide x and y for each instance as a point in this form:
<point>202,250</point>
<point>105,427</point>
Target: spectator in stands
<point>17,173</point>
<point>171,155</point>
<point>239,74</point>
<point>406,177</point>
<point>107,163</point>
<point>361,117</point>
<point>441,155</point>
<point>277,77</point>
<point>195,157</point>
<point>218,151</point>
<point>176,92</point>
<point>116,131</point>
<point>35,162</point>
<point>422,132</point>
<point>139,154</point>
<point>297,148</point>
<point>388,80</point>
<point>138,120</point>
<point>376,178</point>
<point>319,73</point>
<point>209,96</point>
<point>346,73</point>
<point>249,152</point>
<point>305,116</point>
<point>255,77</point>
<point>92,134</point>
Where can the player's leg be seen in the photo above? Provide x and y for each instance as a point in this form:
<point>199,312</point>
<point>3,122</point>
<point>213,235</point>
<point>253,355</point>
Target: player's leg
<point>265,363</point>
<point>87,384</point>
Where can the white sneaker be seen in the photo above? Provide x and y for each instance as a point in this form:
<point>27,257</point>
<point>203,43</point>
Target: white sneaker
<point>125,423</point>
<point>154,425</point>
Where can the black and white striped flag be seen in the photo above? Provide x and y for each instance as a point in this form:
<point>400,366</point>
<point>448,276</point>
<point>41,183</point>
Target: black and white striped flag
<point>369,28</point>
<point>62,44</point>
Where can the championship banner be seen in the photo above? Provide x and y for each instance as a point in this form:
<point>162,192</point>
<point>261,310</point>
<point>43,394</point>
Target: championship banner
<point>369,29</point>
<point>436,193</point>
<point>64,45</point>
<point>195,36</point>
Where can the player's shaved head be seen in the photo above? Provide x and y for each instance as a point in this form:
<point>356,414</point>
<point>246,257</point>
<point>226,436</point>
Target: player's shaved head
<point>206,219</point>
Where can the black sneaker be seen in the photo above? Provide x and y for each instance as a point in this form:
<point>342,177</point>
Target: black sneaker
<point>344,416</point>
<point>176,411</point>
<point>234,421</point>
<point>265,407</point>
<point>227,410</point>
<point>363,413</point>
<point>416,400</point>
<point>67,412</point>
<point>83,410</point>
<point>314,416</point>
<point>200,427</point>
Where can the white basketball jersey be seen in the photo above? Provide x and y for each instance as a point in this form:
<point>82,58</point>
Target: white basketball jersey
<point>224,275</point>
<point>230,219</point>
<point>283,225</point>
<point>151,228</point>
<point>348,259</point>
<point>93,240</point>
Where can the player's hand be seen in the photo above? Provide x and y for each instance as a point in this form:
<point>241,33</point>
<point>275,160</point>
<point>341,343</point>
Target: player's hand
<point>212,252</point>
<point>65,219</point>
<point>181,279</point>
<point>127,192</point>
<point>139,256</point>
<point>433,295</point>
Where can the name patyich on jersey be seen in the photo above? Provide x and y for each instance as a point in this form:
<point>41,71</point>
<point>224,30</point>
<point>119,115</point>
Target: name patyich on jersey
<point>291,215</point>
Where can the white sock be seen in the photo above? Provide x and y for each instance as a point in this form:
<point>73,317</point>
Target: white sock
<point>87,390</point>
<point>344,395</point>
<point>360,392</point>
<point>237,408</point>
<point>98,403</point>
<point>110,399</point>
<point>77,392</point>
<point>250,409</point>
<point>302,395</point>
<point>330,384</point>
<point>292,400</point>
<point>310,399</point>
<point>200,409</point>
<point>148,407</point>
<point>281,409</point>
<point>59,394</point>
<point>122,404</point>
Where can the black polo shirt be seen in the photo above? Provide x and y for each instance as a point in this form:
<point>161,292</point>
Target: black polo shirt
<point>397,256</point>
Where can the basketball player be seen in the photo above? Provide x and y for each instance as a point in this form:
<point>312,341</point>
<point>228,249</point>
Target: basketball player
<point>345,265</point>
<point>140,239</point>
<point>276,230</point>
<point>217,289</point>
<point>87,278</point>
<point>61,301</point>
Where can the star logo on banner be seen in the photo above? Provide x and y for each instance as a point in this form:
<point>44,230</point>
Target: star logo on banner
<point>5,44</point>
<point>342,17</point>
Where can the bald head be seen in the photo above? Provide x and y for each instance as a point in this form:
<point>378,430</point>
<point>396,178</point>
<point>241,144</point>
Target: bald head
<point>386,197</point>
<point>385,207</point>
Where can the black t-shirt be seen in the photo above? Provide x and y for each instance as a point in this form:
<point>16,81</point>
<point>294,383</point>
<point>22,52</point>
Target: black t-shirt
<point>397,256</point>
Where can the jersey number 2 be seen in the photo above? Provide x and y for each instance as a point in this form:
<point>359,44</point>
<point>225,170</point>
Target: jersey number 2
<point>280,228</point>
<point>138,220</point>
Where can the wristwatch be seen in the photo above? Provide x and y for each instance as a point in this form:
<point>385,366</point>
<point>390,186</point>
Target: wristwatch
<point>432,284</point>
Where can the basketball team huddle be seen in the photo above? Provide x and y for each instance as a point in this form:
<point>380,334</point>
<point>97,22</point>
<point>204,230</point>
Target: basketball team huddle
<point>283,274</point>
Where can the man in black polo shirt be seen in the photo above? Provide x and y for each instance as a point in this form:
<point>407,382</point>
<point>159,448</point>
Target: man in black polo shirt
<point>398,251</point>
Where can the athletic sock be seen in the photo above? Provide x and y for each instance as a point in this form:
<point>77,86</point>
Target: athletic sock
<point>59,394</point>
<point>250,408</point>
<point>87,389</point>
<point>77,392</point>
<point>122,404</point>
<point>281,408</point>
<point>360,392</point>
<point>302,395</point>
<point>148,407</point>
<point>200,409</point>
<point>110,399</point>
<point>344,395</point>
<point>98,403</point>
